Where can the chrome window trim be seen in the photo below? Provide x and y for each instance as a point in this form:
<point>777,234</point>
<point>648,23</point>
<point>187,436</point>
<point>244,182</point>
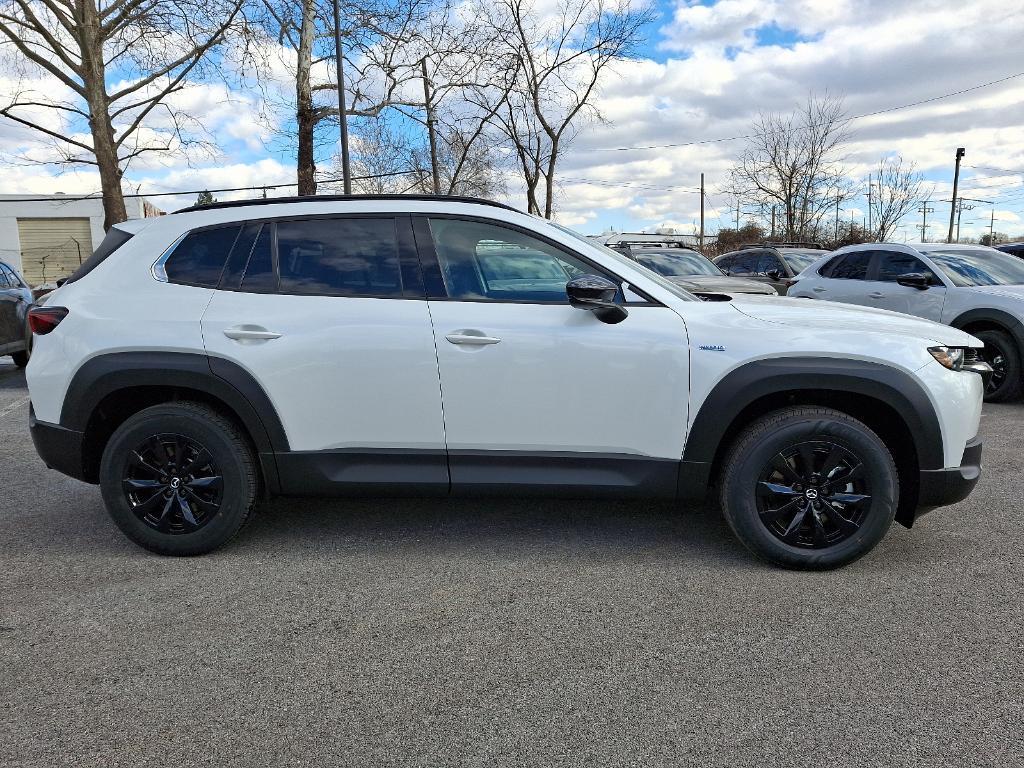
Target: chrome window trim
<point>158,270</point>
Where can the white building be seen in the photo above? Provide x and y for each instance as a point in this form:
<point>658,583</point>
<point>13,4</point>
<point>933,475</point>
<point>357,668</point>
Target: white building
<point>47,236</point>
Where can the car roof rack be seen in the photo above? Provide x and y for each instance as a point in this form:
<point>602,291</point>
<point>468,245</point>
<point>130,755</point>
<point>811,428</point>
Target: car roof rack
<point>341,198</point>
<point>650,244</point>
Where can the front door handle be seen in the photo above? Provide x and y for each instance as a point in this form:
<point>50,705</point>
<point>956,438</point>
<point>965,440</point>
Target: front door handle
<point>471,337</point>
<point>819,289</point>
<point>250,333</point>
<point>876,295</point>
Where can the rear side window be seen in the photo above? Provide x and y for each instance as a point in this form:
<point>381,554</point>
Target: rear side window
<point>339,257</point>
<point>852,266</point>
<point>745,263</point>
<point>5,278</point>
<point>259,262</point>
<point>199,258</point>
<point>892,266</point>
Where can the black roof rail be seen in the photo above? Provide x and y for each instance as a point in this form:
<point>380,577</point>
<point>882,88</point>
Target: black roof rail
<point>650,244</point>
<point>787,244</point>
<point>341,198</point>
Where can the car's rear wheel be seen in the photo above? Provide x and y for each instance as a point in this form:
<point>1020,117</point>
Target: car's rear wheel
<point>1002,354</point>
<point>178,478</point>
<point>20,358</point>
<point>809,487</point>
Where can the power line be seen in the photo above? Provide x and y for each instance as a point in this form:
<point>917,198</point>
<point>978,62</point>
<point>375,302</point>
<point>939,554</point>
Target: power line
<point>851,119</point>
<point>182,193</point>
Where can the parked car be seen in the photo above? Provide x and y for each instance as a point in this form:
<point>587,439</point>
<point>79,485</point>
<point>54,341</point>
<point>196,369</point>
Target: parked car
<point>1014,249</point>
<point>691,270</point>
<point>424,345</point>
<point>776,264</point>
<point>972,287</point>
<point>15,300</point>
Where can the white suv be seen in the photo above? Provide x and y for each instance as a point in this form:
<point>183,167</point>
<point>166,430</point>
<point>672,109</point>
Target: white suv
<point>443,346</point>
<point>977,289</point>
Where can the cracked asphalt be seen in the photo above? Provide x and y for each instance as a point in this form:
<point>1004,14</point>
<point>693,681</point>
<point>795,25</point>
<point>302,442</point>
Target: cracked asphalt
<point>503,633</point>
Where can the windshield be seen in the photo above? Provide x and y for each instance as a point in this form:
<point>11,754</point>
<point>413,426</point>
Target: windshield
<point>669,286</point>
<point>676,263</point>
<point>978,266</point>
<point>800,260</point>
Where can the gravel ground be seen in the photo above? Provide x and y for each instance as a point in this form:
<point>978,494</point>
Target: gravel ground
<point>503,633</point>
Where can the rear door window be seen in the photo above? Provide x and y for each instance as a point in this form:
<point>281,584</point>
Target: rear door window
<point>339,257</point>
<point>745,263</point>
<point>199,258</point>
<point>852,266</point>
<point>893,265</point>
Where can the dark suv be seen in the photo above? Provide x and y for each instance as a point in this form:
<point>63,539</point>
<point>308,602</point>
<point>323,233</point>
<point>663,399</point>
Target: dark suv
<point>15,300</point>
<point>773,263</point>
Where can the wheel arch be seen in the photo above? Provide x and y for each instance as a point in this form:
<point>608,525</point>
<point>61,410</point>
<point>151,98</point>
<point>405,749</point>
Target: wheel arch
<point>887,400</point>
<point>987,319</point>
<point>109,388</point>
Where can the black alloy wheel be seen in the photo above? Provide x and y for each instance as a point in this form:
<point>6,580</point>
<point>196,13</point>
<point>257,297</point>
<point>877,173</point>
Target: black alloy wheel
<point>996,358</point>
<point>172,484</point>
<point>813,494</point>
<point>1002,353</point>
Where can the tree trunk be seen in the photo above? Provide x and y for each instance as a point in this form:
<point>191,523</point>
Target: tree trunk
<point>305,118</point>
<point>104,147</point>
<point>549,180</point>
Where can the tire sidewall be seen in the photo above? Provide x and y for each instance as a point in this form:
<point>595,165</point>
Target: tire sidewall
<point>879,470</point>
<point>1012,385</point>
<point>163,420</point>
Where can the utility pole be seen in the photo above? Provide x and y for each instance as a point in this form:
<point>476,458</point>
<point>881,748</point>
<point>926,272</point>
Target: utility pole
<point>702,213</point>
<point>737,214</point>
<point>773,222</point>
<point>960,152</point>
<point>871,226</point>
<point>346,168</point>
<point>430,126</point>
<point>991,228</point>
<point>924,210</point>
<point>838,200</point>
<point>960,205</point>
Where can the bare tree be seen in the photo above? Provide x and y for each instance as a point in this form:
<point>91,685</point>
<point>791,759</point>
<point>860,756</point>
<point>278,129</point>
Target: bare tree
<point>560,57</point>
<point>150,49</point>
<point>899,189</point>
<point>793,162</point>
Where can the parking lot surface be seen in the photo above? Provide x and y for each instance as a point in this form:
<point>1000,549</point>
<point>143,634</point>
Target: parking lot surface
<point>503,633</point>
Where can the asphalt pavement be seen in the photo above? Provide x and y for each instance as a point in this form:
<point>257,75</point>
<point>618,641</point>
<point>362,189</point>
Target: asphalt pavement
<point>503,633</point>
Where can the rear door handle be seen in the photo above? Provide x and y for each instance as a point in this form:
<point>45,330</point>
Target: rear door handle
<point>250,333</point>
<point>471,337</point>
<point>819,289</point>
<point>876,295</point>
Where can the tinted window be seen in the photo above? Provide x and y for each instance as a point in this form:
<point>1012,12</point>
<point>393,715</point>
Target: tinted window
<point>767,262</point>
<point>259,265</point>
<point>240,254</point>
<point>339,257</point>
<point>199,258</point>
<point>5,278</point>
<point>744,263</point>
<point>852,266</point>
<point>892,265</point>
<point>800,260</point>
<point>487,261</point>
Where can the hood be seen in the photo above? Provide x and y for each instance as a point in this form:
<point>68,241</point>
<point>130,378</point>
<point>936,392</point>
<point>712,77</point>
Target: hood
<point>722,284</point>
<point>828,315</point>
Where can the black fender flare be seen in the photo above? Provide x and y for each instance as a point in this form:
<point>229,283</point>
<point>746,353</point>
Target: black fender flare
<point>760,378</point>
<point>105,374</point>
<point>1000,317</point>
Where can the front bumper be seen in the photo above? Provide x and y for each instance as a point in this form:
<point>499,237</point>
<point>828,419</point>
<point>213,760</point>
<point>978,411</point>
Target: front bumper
<point>940,487</point>
<point>59,448</point>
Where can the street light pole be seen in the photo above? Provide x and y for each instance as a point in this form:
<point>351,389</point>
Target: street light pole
<point>346,169</point>
<point>960,152</point>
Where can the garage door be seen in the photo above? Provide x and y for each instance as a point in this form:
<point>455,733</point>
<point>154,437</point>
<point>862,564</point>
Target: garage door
<point>53,248</point>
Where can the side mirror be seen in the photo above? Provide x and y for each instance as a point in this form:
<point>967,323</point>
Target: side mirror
<point>773,274</point>
<point>918,280</point>
<point>596,294</point>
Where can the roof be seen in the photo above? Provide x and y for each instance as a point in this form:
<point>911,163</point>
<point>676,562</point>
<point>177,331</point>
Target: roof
<point>341,198</point>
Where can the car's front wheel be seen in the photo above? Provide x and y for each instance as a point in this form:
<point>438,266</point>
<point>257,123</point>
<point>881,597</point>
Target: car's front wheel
<point>809,487</point>
<point>178,478</point>
<point>1001,353</point>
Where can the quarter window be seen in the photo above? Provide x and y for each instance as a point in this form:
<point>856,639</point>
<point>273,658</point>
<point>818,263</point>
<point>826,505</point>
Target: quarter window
<point>199,258</point>
<point>339,257</point>
<point>488,262</point>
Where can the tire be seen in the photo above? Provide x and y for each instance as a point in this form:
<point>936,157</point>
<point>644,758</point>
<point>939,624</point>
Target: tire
<point>820,524</point>
<point>179,479</point>
<point>1002,354</point>
<point>20,358</point>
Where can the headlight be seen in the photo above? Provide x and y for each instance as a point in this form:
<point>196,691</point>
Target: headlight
<point>950,357</point>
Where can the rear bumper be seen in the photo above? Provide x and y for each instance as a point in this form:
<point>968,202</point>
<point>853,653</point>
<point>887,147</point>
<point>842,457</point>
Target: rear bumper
<point>58,447</point>
<point>941,487</point>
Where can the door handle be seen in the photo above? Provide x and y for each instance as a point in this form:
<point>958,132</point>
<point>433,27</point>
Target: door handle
<point>250,333</point>
<point>819,289</point>
<point>876,295</point>
<point>471,337</point>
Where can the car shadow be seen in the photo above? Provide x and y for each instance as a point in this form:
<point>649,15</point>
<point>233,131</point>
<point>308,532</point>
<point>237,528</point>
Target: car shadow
<point>11,376</point>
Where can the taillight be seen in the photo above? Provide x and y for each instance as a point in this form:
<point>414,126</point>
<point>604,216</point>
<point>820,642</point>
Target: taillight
<point>42,320</point>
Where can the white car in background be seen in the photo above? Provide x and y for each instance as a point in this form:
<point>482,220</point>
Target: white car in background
<point>971,287</point>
